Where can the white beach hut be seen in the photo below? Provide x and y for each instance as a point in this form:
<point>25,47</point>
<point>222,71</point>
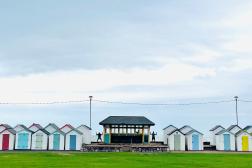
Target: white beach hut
<point>176,140</point>
<point>7,139</point>
<point>194,140</point>
<point>243,141</point>
<point>66,128</point>
<point>213,133</point>
<point>57,140</point>
<point>23,137</point>
<point>40,140</point>
<point>87,134</point>
<point>166,131</point>
<point>225,140</point>
<point>73,140</point>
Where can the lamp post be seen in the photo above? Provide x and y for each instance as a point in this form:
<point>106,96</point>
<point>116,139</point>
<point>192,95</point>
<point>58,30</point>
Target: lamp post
<point>236,100</point>
<point>90,111</point>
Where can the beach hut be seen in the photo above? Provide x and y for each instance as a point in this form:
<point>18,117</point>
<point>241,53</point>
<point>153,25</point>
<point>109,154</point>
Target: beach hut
<point>248,129</point>
<point>57,140</point>
<point>7,139</point>
<point>225,140</point>
<point>40,140</point>
<point>51,128</point>
<point>243,141</point>
<point>213,133</point>
<point>73,140</point>
<point>4,126</point>
<point>185,129</point>
<point>176,140</point>
<point>23,137</point>
<point>194,140</point>
<point>167,130</point>
<point>86,134</point>
<point>34,127</point>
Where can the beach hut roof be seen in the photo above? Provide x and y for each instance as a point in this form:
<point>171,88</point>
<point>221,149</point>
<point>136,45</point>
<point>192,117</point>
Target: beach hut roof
<point>6,126</point>
<point>223,131</point>
<point>75,131</point>
<point>10,130</point>
<point>52,125</point>
<point>217,126</point>
<point>59,131</point>
<point>43,130</point>
<point>175,131</point>
<point>36,125</point>
<point>192,131</point>
<point>241,131</point>
<point>67,125</point>
<point>232,127</point>
<point>247,127</point>
<point>24,128</point>
<point>82,125</point>
<point>170,126</point>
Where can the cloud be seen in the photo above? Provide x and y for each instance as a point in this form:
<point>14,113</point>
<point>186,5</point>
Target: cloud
<point>68,83</point>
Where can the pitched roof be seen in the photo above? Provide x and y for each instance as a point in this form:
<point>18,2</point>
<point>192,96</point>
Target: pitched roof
<point>170,126</point>
<point>67,125</point>
<point>175,131</point>
<point>222,131</point>
<point>59,131</point>
<point>36,125</point>
<point>241,131</point>
<point>53,125</point>
<point>192,131</point>
<point>217,126</point>
<point>24,127</point>
<point>82,125</point>
<point>232,126</point>
<point>247,127</point>
<point>185,127</point>
<point>10,130</point>
<point>126,120</point>
<point>43,130</point>
<point>75,131</point>
<point>6,126</point>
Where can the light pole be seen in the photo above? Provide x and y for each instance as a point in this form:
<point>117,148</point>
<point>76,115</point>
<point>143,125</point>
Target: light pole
<point>236,100</point>
<point>90,111</point>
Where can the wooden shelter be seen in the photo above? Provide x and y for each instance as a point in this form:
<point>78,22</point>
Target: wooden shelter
<point>194,140</point>
<point>23,137</point>
<point>225,140</point>
<point>166,131</point>
<point>126,129</point>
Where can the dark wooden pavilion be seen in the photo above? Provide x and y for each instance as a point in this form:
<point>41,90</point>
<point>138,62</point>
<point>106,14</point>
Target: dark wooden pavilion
<point>126,129</point>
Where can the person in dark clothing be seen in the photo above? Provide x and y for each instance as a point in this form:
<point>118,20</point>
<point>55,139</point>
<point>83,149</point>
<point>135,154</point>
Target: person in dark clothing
<point>153,135</point>
<point>99,136</point>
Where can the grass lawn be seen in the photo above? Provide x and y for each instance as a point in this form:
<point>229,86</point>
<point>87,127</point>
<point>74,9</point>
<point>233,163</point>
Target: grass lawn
<point>121,160</point>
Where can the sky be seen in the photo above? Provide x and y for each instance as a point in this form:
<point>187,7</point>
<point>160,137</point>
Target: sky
<point>133,51</point>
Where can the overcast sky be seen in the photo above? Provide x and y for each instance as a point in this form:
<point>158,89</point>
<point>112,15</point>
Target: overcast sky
<point>135,51</point>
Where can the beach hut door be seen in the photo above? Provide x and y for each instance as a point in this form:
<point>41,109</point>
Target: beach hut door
<point>226,142</point>
<point>5,143</point>
<point>177,142</point>
<point>195,142</point>
<point>23,141</point>
<point>56,141</point>
<point>72,142</point>
<point>244,143</point>
<point>39,141</point>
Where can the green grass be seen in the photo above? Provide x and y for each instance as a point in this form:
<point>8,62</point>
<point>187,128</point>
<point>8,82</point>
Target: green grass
<point>124,160</point>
